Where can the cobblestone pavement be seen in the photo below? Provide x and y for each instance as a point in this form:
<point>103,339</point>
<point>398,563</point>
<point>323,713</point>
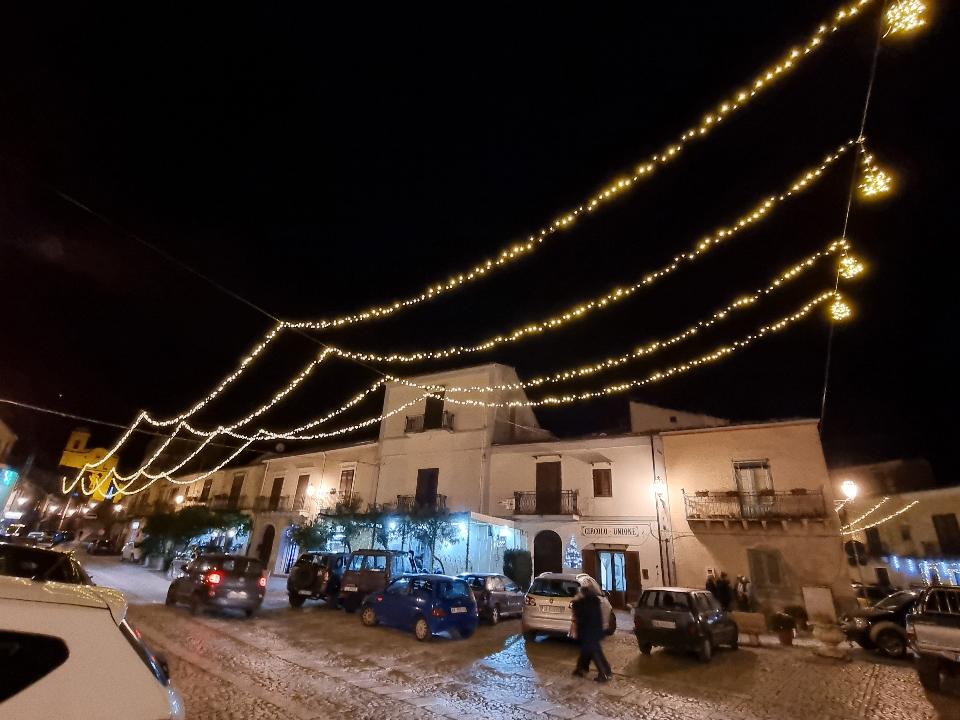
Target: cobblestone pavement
<point>315,662</point>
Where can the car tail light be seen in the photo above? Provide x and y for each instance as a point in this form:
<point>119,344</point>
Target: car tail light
<point>438,612</point>
<point>214,578</point>
<point>379,598</point>
<point>262,582</point>
<point>527,600</point>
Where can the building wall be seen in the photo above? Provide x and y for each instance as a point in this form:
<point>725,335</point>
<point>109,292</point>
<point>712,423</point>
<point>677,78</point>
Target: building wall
<point>811,552</point>
<point>892,476</point>
<point>911,549</point>
<point>650,418</point>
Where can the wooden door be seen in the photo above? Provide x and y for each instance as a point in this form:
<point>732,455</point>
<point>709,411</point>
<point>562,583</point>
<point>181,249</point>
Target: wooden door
<point>427,482</point>
<point>275,493</point>
<point>549,488</point>
<point>547,552</point>
<point>634,583</point>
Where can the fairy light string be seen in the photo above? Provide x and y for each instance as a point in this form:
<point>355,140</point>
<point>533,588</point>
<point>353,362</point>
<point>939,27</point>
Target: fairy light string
<point>866,514</point>
<point>881,521</point>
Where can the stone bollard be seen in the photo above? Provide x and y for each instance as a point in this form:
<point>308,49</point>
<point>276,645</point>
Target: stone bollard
<point>830,636</point>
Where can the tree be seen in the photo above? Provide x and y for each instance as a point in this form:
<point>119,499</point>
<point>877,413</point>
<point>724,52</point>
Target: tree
<point>429,525</point>
<point>572,557</point>
<point>313,535</point>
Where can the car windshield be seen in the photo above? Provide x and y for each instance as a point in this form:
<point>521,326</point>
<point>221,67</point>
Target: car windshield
<point>27,562</point>
<point>892,602</point>
<point>553,587</point>
<point>368,562</point>
<point>456,590</point>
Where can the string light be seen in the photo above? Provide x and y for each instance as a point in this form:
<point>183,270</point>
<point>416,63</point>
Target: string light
<point>875,181</point>
<point>867,513</point>
<point>905,15</point>
<point>850,267</point>
<point>733,102</point>
<point>580,311</point>
<point>881,521</point>
<point>840,310</point>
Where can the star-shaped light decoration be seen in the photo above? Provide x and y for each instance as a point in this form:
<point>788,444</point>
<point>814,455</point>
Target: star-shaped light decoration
<point>850,267</point>
<point>875,181</point>
<point>839,310</point>
<point>904,16</point>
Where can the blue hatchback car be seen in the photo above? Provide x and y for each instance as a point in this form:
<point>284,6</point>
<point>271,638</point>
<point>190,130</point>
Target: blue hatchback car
<point>426,604</point>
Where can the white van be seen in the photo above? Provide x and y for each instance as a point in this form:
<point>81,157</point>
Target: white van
<point>69,653</point>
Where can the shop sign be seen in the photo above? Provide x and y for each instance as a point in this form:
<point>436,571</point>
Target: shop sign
<point>609,532</point>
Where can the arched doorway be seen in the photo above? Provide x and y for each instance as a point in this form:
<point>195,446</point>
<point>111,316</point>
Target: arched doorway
<point>266,544</point>
<point>547,552</point>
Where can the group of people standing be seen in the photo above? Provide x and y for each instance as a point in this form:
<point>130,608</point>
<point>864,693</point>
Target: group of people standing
<point>730,597</point>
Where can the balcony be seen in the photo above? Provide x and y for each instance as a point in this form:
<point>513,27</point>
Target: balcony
<point>408,503</point>
<point>269,504</point>
<point>415,423</point>
<point>225,502</point>
<point>527,503</point>
<point>733,506</point>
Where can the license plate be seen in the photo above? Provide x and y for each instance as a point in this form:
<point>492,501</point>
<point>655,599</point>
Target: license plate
<point>236,595</point>
<point>458,610</point>
<point>349,588</point>
<point>555,609</point>
<point>665,624</point>
<point>305,592</point>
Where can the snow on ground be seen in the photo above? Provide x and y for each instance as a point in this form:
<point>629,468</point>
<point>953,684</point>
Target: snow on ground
<point>315,662</point>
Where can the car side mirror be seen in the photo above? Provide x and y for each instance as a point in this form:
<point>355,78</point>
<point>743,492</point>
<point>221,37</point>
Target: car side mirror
<point>162,662</point>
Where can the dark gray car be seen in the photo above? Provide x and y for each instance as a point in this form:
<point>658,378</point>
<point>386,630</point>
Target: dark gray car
<point>221,581</point>
<point>683,619</point>
<point>497,596</point>
<point>316,576</point>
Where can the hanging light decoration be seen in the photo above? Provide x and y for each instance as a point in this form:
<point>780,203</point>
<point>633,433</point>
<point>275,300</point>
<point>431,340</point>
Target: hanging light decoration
<point>840,310</point>
<point>875,180</point>
<point>905,15</point>
<point>850,267</point>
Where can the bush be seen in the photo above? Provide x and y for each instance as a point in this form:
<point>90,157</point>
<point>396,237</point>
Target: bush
<point>782,622</point>
<point>518,566</point>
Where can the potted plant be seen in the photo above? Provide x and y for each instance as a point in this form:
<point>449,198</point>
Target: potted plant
<point>702,493</point>
<point>785,626</point>
<point>798,491</point>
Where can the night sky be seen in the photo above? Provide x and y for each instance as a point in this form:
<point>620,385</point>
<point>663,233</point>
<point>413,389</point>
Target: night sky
<point>316,163</point>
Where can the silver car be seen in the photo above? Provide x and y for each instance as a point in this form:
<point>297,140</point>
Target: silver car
<point>548,604</point>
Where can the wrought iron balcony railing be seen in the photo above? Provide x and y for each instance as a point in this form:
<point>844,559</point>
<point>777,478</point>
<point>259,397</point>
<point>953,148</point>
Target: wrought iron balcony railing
<point>528,503</point>
<point>415,423</point>
<point>408,503</point>
<point>763,505</point>
<point>268,504</point>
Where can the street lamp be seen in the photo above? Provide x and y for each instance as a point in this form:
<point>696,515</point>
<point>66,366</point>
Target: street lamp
<point>179,499</point>
<point>850,489</point>
<point>118,508</point>
<point>311,490</point>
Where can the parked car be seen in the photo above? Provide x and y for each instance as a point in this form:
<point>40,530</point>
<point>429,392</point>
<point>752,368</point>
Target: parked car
<point>370,571</point>
<point>103,546</point>
<point>316,576</point>
<point>43,538</point>
<point>131,551</point>
<point>683,619</point>
<point>41,564</point>
<point>221,581</point>
<point>548,604</point>
<point>426,604</point>
<point>883,626</point>
<point>186,556</point>
<point>497,596</point>
<point>53,635</point>
<point>869,595</point>
<point>933,635</point>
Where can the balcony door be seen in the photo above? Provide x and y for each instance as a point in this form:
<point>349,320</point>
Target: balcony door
<point>755,485</point>
<point>275,493</point>
<point>235,489</point>
<point>298,499</point>
<point>433,411</point>
<point>427,482</point>
<point>549,489</point>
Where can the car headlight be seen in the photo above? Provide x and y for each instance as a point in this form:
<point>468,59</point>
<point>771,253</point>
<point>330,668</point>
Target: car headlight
<point>860,623</point>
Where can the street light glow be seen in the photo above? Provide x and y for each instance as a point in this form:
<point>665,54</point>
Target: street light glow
<point>179,499</point>
<point>849,488</point>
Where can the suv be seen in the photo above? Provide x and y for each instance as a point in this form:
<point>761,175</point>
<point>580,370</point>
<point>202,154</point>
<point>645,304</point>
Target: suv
<point>933,633</point>
<point>52,636</point>
<point>882,626</point>
<point>548,604</point>
<point>496,595</point>
<point>316,576</point>
<point>370,571</point>
<point>683,619</point>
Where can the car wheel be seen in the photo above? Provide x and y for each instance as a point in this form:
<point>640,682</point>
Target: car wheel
<point>250,612</point>
<point>195,607</point>
<point>369,616</point>
<point>296,600</point>
<point>646,648</point>
<point>529,635</point>
<point>351,605</point>
<point>466,632</point>
<point>171,596</point>
<point>495,615</point>
<point>892,644</point>
<point>612,625</point>
<point>421,629</point>
<point>705,651</point>
<point>928,671</point>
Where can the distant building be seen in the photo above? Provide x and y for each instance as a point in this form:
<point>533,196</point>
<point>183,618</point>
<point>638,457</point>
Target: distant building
<point>884,478</point>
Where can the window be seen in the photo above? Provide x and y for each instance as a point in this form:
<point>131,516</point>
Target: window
<point>874,545</point>
<point>510,585</point>
<point>674,600</point>
<point>456,590</point>
<point>613,577</point>
<point>205,493</point>
<point>554,588</point>
<point>883,576</point>
<point>400,586</point>
<point>948,533</point>
<point>26,658</point>
<point>645,573</point>
<point>27,562</point>
<point>433,411</point>
<point>649,599</point>
<point>602,482</point>
<point>428,480</point>
<point>752,476</point>
<point>419,584</point>
<point>946,602</point>
<point>368,562</point>
<point>905,532</point>
<point>766,568</point>
<point>346,481</point>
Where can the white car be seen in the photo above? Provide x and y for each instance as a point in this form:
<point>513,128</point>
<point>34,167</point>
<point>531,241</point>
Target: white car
<point>548,604</point>
<point>131,551</point>
<point>54,635</point>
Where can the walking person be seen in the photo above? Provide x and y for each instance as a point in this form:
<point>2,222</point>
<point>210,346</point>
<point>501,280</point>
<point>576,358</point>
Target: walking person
<point>587,629</point>
<point>724,592</point>
<point>743,593</point>
<point>711,584</point>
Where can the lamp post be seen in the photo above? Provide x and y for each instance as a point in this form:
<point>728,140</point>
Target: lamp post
<point>850,489</point>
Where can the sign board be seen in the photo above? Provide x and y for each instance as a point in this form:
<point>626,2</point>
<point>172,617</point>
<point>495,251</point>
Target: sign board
<point>614,533</point>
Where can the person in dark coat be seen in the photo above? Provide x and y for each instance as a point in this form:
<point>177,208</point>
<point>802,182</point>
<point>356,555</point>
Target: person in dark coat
<point>724,591</point>
<point>712,584</point>
<point>588,631</point>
